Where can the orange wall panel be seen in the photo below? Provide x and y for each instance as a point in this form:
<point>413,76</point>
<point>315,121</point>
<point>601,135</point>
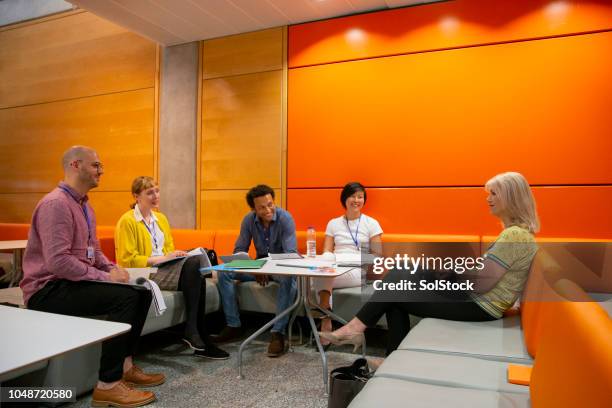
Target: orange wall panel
<point>457,117</point>
<point>564,211</point>
<point>575,211</point>
<point>399,210</point>
<point>451,24</point>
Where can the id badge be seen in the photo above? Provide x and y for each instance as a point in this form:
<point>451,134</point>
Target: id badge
<point>90,252</point>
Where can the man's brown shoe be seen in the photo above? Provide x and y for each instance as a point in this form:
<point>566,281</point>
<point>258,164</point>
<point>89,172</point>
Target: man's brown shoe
<point>121,395</point>
<point>276,347</point>
<point>227,334</point>
<point>135,377</point>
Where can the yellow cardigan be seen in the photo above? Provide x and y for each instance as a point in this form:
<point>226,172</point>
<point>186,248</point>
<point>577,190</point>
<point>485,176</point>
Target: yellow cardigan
<point>133,242</point>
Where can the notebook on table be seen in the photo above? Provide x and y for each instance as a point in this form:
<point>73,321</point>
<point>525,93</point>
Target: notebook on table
<point>245,264</point>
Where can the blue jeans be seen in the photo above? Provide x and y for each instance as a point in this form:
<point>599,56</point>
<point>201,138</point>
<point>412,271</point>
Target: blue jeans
<point>227,289</point>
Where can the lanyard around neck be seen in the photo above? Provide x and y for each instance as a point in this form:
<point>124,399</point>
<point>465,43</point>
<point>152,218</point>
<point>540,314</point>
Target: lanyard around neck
<point>356,237</point>
<point>152,232</point>
<point>83,208</point>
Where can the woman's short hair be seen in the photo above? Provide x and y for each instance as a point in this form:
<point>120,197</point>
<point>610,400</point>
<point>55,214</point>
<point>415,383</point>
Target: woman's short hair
<point>350,189</point>
<point>141,184</point>
<point>517,199</point>
<point>258,191</point>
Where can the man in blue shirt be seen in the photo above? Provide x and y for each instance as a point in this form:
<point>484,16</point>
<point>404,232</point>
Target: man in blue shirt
<point>272,230</point>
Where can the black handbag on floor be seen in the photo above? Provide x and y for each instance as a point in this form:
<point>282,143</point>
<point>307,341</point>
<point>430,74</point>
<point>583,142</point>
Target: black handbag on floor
<point>346,382</point>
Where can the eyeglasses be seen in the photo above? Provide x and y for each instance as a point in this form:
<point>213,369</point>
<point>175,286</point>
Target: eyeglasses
<point>97,165</point>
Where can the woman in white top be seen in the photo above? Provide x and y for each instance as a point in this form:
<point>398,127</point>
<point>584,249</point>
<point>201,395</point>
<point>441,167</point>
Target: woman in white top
<point>348,233</point>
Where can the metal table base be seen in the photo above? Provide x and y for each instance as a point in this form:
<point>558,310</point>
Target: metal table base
<point>302,301</point>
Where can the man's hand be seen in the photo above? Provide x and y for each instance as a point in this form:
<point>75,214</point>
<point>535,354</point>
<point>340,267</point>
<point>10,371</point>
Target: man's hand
<point>118,274</point>
<point>262,279</point>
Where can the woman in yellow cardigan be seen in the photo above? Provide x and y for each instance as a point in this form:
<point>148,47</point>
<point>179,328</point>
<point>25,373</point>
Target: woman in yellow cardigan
<point>143,239</point>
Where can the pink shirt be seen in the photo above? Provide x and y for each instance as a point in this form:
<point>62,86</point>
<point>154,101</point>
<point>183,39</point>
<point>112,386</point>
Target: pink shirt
<point>58,241</point>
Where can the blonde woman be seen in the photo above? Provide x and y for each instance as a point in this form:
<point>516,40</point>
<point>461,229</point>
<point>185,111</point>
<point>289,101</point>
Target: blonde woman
<point>498,284</point>
<point>143,239</point>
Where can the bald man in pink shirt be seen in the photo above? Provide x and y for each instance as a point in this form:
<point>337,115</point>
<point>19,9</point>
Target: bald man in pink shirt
<point>65,272</point>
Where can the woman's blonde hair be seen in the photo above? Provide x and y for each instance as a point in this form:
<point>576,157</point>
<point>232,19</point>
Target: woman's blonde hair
<point>517,199</point>
<point>140,184</point>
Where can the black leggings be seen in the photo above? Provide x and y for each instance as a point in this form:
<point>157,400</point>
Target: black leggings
<point>455,305</point>
<point>193,286</point>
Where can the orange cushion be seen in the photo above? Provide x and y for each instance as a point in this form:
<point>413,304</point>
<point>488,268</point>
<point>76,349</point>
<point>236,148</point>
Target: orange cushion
<point>105,231</point>
<point>574,363</point>
<point>224,243</point>
<point>185,239</point>
<point>538,289</point>
<point>301,241</point>
<point>107,245</point>
<point>12,232</point>
<point>431,245</point>
<point>519,374</point>
<point>585,261</point>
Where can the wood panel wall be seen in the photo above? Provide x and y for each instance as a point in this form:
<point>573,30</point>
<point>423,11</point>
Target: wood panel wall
<point>242,123</point>
<point>72,79</point>
<point>424,104</point>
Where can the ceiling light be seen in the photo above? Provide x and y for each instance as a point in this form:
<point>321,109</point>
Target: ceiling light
<point>356,36</point>
<point>449,24</point>
<point>557,9</point>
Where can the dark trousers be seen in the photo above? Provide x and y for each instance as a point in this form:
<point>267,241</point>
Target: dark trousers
<point>449,305</point>
<point>193,285</point>
<point>120,303</point>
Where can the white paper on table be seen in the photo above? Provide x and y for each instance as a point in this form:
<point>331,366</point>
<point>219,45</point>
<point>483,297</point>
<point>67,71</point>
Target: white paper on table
<point>352,259</point>
<point>316,263</point>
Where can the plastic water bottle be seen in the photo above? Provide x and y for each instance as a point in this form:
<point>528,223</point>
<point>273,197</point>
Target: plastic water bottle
<point>311,242</point>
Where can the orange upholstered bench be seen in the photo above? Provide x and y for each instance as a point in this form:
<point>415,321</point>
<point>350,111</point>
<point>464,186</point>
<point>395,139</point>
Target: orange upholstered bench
<point>183,239</point>
<point>186,239</point>
<point>301,241</point>
<point>573,366</point>
<point>585,261</point>
<point>12,232</point>
<point>431,245</point>
<point>225,240</point>
<point>106,237</point>
<point>574,363</point>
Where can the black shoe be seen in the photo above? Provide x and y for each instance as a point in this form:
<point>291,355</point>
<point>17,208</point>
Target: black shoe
<point>212,352</point>
<point>194,341</point>
<point>227,334</point>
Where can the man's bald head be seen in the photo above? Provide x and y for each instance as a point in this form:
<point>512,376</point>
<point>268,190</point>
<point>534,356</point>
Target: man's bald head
<point>82,168</point>
<point>76,153</point>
